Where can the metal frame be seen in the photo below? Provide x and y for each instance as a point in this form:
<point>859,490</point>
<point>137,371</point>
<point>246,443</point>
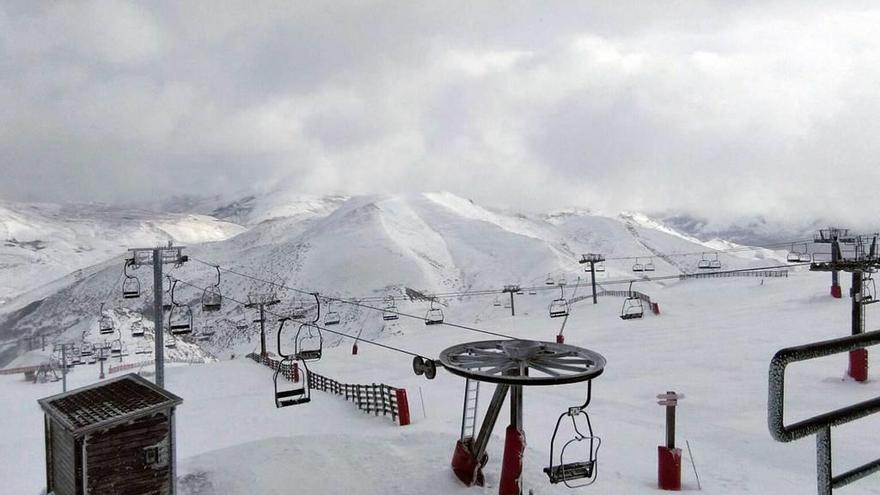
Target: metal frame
<point>491,360</point>
<point>820,425</point>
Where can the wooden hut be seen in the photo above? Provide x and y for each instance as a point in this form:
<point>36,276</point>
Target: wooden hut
<point>114,437</point>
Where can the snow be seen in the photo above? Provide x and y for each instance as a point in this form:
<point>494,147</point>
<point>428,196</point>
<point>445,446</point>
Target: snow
<point>712,342</point>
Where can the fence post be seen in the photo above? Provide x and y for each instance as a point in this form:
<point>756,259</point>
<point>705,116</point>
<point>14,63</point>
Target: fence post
<point>402,406</point>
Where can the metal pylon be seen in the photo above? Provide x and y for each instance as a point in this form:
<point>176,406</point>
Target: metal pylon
<point>469,412</point>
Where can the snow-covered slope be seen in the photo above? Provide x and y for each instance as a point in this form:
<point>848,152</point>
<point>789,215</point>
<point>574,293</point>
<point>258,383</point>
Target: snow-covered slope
<point>42,242</point>
<point>368,247</point>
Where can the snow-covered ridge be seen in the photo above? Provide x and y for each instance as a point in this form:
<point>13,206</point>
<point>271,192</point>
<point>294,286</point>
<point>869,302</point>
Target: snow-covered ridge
<point>42,242</point>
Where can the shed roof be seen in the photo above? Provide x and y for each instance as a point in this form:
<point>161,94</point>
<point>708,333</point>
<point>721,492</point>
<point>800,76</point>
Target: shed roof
<point>107,403</point>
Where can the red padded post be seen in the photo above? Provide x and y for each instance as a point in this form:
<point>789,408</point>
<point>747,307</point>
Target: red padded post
<point>668,468</point>
<point>835,292</point>
<point>512,464</point>
<point>295,372</point>
<point>402,407</point>
<point>858,365</point>
<point>655,308</point>
<point>465,466</point>
<point>560,339</point>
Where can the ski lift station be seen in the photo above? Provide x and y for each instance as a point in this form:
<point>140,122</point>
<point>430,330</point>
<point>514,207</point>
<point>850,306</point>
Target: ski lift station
<point>116,433</point>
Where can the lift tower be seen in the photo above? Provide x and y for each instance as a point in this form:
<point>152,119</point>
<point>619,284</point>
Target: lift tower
<point>592,259</point>
<point>158,257</point>
<point>511,289</point>
<point>861,260</point>
<point>262,301</point>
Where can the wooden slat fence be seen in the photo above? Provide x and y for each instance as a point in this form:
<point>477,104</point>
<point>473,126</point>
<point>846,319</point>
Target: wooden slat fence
<point>375,398</point>
<point>750,273</point>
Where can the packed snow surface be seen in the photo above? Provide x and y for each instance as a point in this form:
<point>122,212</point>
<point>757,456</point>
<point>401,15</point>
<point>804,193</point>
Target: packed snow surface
<point>712,341</point>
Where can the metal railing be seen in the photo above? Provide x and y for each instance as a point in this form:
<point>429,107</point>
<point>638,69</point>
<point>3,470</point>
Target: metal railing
<point>820,425</point>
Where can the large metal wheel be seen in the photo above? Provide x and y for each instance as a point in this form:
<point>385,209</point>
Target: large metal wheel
<point>522,362</point>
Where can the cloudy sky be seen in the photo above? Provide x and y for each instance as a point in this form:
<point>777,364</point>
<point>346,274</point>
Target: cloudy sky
<point>718,108</point>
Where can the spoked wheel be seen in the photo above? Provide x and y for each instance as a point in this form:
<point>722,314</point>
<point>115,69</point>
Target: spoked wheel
<point>522,362</point>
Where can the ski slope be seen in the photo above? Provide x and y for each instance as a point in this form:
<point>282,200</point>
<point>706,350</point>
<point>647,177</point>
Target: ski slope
<point>713,342</point>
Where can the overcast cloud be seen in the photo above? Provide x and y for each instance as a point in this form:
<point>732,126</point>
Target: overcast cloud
<point>713,107</point>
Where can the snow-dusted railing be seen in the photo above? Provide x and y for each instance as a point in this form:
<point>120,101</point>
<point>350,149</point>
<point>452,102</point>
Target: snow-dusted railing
<point>655,308</point>
<point>375,398</point>
<point>820,425</point>
<point>151,362</point>
<point>743,273</point>
<point>23,369</point>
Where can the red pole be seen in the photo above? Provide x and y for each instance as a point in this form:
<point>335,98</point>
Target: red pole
<point>402,406</point>
<point>512,463</point>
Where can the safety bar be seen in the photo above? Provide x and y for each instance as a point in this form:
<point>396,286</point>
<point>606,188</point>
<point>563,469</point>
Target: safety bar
<point>821,424</point>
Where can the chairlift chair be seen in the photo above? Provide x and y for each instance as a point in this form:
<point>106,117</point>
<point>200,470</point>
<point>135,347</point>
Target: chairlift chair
<point>171,342</point>
<point>434,316</point>
<point>793,256</point>
<point>212,298</point>
<point>649,266</point>
<point>116,347</point>
<point>805,256</point>
<point>549,280</point>
<point>497,302</point>
<point>869,290</point>
<point>561,280</point>
<point>131,286</point>
<point>294,394</point>
<point>390,312</point>
<point>600,266</point>
<point>704,263</point>
<point>86,349</point>
<point>506,303</point>
<point>715,264</point>
<point>105,323</point>
<point>583,471</point>
<point>559,307</point>
<point>180,317</point>
<point>331,317</point>
<point>632,306</point>
<point>309,344</point>
<point>638,267</point>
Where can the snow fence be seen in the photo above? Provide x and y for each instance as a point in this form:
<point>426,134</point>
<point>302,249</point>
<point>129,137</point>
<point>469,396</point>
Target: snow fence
<point>375,398</point>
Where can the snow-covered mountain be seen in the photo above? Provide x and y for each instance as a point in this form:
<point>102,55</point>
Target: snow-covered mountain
<point>42,242</point>
<point>366,246</point>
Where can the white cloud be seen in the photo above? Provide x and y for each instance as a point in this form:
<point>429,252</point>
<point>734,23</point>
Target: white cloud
<point>719,108</point>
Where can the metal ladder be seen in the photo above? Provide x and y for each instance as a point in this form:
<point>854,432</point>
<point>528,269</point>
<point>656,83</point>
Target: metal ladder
<point>469,413</point>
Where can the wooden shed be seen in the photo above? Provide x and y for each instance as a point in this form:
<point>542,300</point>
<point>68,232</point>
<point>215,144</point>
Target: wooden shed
<point>114,437</point>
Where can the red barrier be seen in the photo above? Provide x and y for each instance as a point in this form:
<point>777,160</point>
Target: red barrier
<point>560,339</point>
<point>295,372</point>
<point>655,308</point>
<point>858,365</point>
<point>835,292</point>
<point>465,465</point>
<point>402,406</point>
<point>668,468</point>
<point>512,464</point>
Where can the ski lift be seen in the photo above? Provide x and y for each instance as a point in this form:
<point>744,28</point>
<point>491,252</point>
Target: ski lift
<point>390,312</point>
<point>532,292</point>
<point>298,311</point>
<point>649,266</point>
<point>131,286</point>
<point>354,347</point>
<point>549,280</point>
<point>180,317</point>
<point>91,359</point>
<point>87,349</point>
<point>294,395</point>
<point>331,317</point>
<point>497,302</point>
<point>600,266</point>
<point>242,325</point>
<point>584,447</point>
<point>632,306</point>
<point>638,267</point>
<point>166,302</point>
<point>506,303</point>
<point>559,307</point>
<point>116,347</point>
<point>794,256</point>
<point>308,343</point>
<point>212,298</point>
<point>434,316</point>
<point>171,342</point>
<point>144,348</point>
<point>715,264</point>
<point>704,263</point>
<point>869,290</point>
<point>137,326</point>
<point>561,280</point>
<point>105,323</point>
<point>805,256</point>
<point>123,351</point>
